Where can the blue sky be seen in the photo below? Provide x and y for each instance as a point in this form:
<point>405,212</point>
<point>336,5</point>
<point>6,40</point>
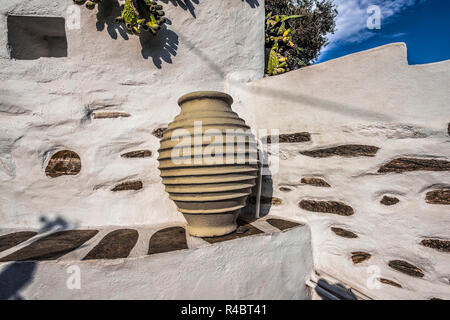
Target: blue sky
<point>424,25</point>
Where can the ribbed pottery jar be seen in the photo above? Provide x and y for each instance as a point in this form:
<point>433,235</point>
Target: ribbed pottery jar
<point>209,163</point>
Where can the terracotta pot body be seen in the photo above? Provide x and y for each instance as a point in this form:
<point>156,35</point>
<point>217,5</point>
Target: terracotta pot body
<point>209,163</point>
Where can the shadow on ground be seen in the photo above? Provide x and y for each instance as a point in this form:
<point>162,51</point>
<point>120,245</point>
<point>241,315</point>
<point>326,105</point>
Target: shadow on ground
<point>17,275</point>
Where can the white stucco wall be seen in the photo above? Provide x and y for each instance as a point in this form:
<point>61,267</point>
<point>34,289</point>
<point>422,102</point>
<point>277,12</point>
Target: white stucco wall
<point>370,98</point>
<point>44,107</point>
<point>266,266</point>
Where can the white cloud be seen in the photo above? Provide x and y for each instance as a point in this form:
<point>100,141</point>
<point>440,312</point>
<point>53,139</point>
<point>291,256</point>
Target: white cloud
<point>351,22</point>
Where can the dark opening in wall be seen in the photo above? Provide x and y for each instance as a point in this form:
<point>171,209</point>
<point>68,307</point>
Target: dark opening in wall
<point>31,37</point>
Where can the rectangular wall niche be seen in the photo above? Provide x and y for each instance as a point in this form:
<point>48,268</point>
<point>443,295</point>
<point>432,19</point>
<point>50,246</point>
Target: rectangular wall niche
<point>33,37</point>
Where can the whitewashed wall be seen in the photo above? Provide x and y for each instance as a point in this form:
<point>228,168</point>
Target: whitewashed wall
<point>267,266</point>
<point>45,106</point>
<point>371,98</point>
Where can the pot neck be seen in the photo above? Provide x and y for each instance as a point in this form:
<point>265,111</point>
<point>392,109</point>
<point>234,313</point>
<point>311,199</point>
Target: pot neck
<point>208,95</point>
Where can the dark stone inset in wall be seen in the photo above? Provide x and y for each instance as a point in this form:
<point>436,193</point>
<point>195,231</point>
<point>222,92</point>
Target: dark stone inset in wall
<point>110,115</point>
<point>283,224</point>
<point>448,129</point>
<point>390,282</point>
<point>137,154</point>
<point>349,151</point>
<point>159,132</point>
<point>65,162</point>
<point>168,239</point>
<point>10,240</point>
<point>333,207</point>
<point>440,245</point>
<point>344,233</point>
<point>115,245</point>
<point>52,247</point>
<point>360,256</point>
<point>247,230</point>
<point>267,200</point>
<point>291,137</point>
<point>438,196</point>
<point>401,165</point>
<point>316,182</point>
<point>406,268</point>
<point>33,37</point>
<point>285,189</point>
<point>389,201</point>
<point>129,185</point>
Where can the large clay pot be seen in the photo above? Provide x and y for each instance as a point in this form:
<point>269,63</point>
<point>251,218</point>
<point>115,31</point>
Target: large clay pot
<point>208,179</point>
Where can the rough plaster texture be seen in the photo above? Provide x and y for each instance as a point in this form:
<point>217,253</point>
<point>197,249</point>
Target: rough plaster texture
<point>273,265</point>
<point>46,105</point>
<point>370,98</point>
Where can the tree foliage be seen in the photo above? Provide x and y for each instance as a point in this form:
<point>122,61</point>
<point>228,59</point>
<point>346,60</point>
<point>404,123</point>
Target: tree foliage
<point>308,33</point>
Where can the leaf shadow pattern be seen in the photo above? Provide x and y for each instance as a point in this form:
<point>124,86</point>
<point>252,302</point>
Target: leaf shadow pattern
<point>106,15</point>
<point>160,47</point>
<point>253,3</point>
<point>187,5</point>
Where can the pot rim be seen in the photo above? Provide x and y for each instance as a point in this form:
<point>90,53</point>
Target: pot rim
<point>205,95</point>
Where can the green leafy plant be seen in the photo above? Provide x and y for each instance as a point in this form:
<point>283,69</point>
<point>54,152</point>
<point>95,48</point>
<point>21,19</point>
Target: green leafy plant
<point>279,42</point>
<point>137,15</point>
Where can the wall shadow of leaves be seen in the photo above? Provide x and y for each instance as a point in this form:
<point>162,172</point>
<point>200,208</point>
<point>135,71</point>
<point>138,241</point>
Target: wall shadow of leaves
<point>106,15</point>
<point>252,3</point>
<point>161,48</point>
<point>187,5</point>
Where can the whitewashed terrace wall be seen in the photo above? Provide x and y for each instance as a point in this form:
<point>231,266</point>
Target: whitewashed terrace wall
<point>267,266</point>
<point>45,106</point>
<point>370,98</point>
